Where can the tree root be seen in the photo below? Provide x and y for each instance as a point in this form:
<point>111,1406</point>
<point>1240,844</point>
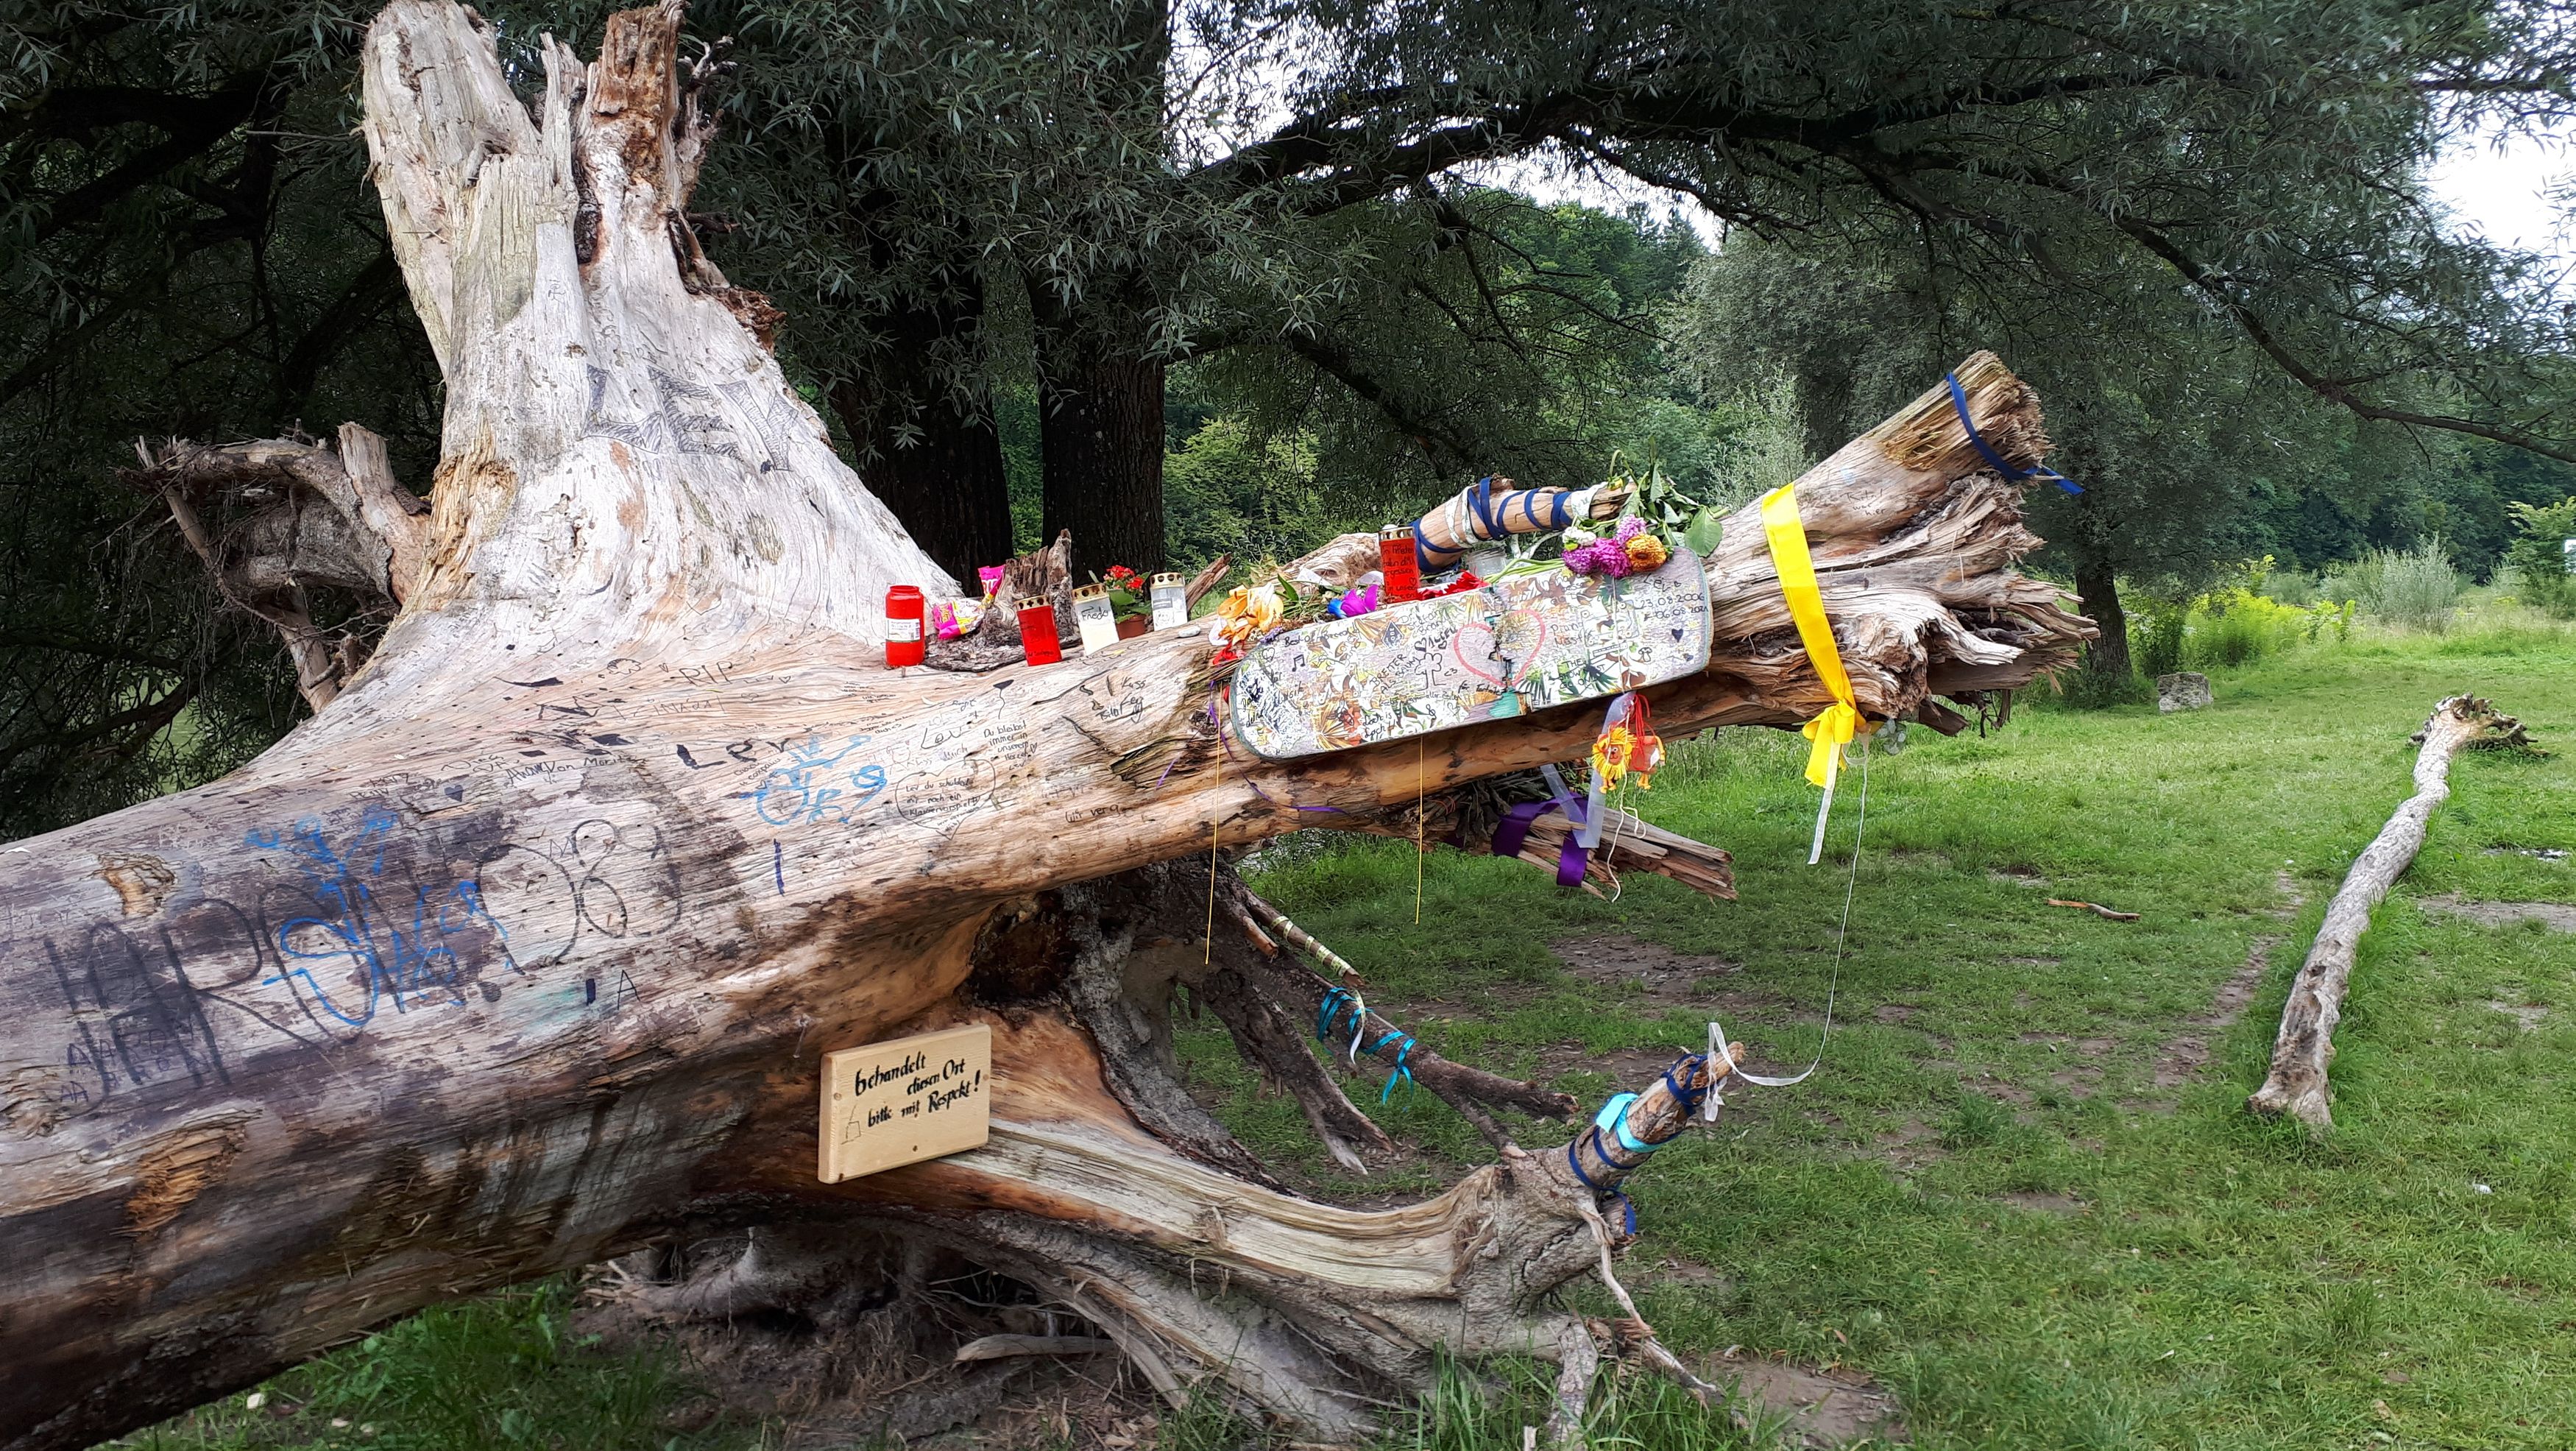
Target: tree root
<point>1318,1318</point>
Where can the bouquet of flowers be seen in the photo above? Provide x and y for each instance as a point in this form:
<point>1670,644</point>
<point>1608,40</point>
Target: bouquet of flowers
<point>1659,516</point>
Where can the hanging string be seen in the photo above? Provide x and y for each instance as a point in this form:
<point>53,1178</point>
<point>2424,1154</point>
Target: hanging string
<point>1418,789</point>
<point>1719,1056</point>
<point>1207,944</point>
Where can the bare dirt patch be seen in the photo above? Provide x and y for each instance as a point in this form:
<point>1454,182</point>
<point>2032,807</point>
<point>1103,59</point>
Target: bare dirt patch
<point>2187,1052</point>
<point>2017,877</point>
<point>2042,1202</point>
<point>1911,1147</point>
<point>1676,1270</point>
<point>2527,1014</point>
<point>1650,969</point>
<point>2557,916</point>
<point>1629,1068</point>
<point>1831,1406</point>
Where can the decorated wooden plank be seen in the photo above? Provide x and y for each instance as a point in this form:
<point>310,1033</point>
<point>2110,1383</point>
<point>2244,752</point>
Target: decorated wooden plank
<point>1515,646</point>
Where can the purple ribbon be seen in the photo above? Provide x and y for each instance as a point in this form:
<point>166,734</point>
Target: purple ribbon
<point>1515,828</point>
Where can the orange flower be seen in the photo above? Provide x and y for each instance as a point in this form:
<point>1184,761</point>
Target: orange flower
<point>1647,552</point>
<point>1247,614</point>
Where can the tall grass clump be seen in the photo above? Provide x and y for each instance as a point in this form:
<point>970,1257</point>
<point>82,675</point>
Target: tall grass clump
<point>2415,588</point>
<point>1463,1412</point>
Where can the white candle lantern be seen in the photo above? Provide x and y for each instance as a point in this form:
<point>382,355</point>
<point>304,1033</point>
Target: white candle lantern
<point>1096,617</point>
<point>1171,601</point>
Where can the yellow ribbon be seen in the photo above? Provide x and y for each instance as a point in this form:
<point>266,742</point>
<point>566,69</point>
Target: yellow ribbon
<point>1840,722</point>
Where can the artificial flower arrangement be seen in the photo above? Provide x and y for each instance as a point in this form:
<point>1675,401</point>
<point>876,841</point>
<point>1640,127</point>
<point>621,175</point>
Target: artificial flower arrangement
<point>1247,613</point>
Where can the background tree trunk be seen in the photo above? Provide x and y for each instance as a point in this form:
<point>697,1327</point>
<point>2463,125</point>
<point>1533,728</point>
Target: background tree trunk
<point>935,462</point>
<point>525,949</point>
<point>1100,377</point>
<point>1100,426</point>
<point>2107,655</point>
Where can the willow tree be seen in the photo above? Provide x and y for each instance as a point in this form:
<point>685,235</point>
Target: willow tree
<point>527,945</point>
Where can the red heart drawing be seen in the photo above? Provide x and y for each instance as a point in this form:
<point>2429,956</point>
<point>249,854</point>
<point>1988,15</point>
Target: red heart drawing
<point>1518,622</point>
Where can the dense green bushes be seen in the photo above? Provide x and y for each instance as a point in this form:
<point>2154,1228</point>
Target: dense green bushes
<point>2233,624</point>
<point>2539,559</point>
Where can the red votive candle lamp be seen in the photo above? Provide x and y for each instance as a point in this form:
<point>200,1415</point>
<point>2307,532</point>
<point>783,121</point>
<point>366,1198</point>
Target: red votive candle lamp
<point>1037,631</point>
<point>1397,562</point>
<point>904,614</point>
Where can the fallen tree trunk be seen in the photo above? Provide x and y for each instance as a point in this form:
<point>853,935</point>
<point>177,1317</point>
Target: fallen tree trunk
<point>2297,1084</point>
<point>526,948</point>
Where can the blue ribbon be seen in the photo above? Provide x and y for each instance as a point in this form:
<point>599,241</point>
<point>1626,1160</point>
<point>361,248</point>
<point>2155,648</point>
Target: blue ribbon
<point>1335,1000</point>
<point>1614,1118</point>
<point>1403,1048</point>
<point>1959,401</point>
<point>1691,1098</point>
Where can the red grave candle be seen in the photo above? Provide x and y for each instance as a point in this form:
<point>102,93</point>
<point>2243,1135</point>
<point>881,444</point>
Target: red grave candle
<point>1037,631</point>
<point>1399,565</point>
<point>904,614</point>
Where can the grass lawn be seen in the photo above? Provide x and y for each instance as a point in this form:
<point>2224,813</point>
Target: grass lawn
<point>2021,1192</point>
<point>2015,1193</point>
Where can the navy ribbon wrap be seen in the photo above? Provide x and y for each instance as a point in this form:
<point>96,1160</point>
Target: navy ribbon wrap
<point>1959,401</point>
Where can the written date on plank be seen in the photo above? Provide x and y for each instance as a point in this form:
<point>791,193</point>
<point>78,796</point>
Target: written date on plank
<point>906,1100</point>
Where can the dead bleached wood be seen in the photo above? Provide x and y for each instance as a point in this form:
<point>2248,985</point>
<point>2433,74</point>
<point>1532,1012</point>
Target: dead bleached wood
<point>524,951</point>
<point>2297,1084</point>
<point>304,517</point>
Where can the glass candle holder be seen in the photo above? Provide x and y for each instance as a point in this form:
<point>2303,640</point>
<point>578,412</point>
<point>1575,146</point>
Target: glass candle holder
<point>1397,561</point>
<point>1171,595</point>
<point>905,610</point>
<point>1037,631</point>
<point>1095,617</point>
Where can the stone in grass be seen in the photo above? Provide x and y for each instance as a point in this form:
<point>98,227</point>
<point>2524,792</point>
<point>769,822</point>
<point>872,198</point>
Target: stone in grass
<point>2182,690</point>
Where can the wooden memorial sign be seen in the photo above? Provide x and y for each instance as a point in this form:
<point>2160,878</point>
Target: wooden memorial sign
<point>903,1101</point>
<point>1515,646</point>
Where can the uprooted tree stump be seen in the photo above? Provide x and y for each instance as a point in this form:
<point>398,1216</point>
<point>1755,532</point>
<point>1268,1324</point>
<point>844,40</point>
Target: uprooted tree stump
<point>524,951</point>
<point>2305,1045</point>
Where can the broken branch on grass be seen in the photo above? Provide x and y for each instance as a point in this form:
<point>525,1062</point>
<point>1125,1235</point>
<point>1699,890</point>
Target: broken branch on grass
<point>2096,908</point>
<point>2297,1083</point>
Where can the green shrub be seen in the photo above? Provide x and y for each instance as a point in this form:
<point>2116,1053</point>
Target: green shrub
<point>2417,588</point>
<point>2294,587</point>
<point>2538,556</point>
<point>2156,640</point>
<point>2234,628</point>
<point>2232,624</point>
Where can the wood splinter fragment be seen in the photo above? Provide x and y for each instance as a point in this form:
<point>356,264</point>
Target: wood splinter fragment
<point>2096,908</point>
<point>1002,1347</point>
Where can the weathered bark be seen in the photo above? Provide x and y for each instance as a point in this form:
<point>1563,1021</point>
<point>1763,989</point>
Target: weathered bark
<point>2297,1084</point>
<point>301,517</point>
<point>935,460</point>
<point>2097,586</point>
<point>527,947</point>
